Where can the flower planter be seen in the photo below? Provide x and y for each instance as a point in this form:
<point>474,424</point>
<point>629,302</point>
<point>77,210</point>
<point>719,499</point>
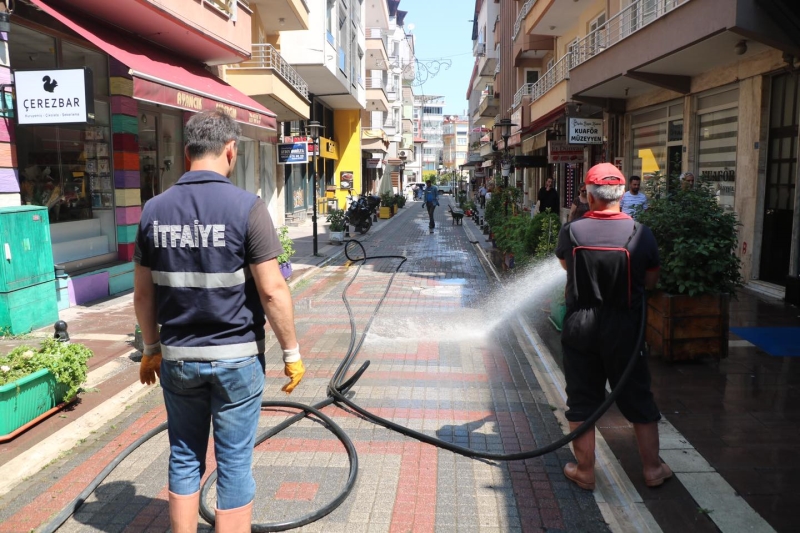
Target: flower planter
<point>336,237</point>
<point>685,328</point>
<point>286,269</point>
<point>385,212</point>
<point>27,399</point>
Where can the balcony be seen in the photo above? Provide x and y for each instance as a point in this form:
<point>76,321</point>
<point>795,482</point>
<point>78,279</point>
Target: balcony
<point>532,47</point>
<point>374,140</point>
<point>282,15</point>
<point>377,45</point>
<point>551,17</point>
<point>523,13</point>
<point>204,30</point>
<point>489,105</point>
<point>628,21</point>
<point>550,91</point>
<point>665,44</point>
<point>376,95</point>
<point>271,81</point>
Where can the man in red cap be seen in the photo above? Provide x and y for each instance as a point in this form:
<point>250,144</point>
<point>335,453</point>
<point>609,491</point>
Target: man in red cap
<point>610,260</point>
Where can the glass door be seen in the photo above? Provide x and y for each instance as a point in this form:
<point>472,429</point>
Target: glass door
<point>150,184</point>
<point>776,240</point>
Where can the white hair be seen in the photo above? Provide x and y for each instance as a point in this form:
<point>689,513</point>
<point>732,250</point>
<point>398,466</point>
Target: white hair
<point>687,174</point>
<point>609,194</point>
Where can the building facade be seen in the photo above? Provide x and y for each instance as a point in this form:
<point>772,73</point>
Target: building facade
<point>707,86</point>
<point>455,142</point>
<point>330,57</point>
<point>95,168</point>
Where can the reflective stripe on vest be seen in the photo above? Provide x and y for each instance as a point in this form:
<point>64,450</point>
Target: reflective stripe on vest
<point>201,280</point>
<point>213,353</point>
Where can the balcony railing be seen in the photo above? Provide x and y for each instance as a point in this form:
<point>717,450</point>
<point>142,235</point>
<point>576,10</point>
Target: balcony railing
<point>379,33</point>
<point>557,73</point>
<point>266,56</point>
<point>376,83</point>
<point>628,21</point>
<point>526,8</point>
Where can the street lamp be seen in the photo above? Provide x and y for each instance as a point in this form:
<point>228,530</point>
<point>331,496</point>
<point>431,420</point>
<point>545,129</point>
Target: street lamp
<point>403,158</point>
<point>505,126</point>
<point>313,130</point>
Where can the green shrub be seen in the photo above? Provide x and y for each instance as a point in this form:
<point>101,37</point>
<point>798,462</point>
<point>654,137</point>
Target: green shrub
<point>336,219</point>
<point>399,200</point>
<point>387,199</point>
<point>541,236</point>
<point>697,241</point>
<point>65,360</point>
<point>287,243</point>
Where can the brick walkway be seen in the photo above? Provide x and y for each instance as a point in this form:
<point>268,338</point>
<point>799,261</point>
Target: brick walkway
<point>432,369</point>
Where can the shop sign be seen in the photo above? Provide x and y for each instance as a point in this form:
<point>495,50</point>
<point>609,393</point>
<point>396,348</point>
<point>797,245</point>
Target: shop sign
<point>585,130</point>
<point>293,153</point>
<point>55,96</point>
<point>161,94</point>
<point>563,152</point>
<point>374,163</point>
<point>328,148</point>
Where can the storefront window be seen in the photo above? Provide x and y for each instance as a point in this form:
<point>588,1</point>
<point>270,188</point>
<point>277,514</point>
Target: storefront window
<point>73,56</point>
<point>717,153</point>
<point>31,50</point>
<point>650,150</point>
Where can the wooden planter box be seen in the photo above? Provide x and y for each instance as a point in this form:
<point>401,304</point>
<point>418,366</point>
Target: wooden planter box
<point>385,212</point>
<point>684,328</point>
<point>27,399</point>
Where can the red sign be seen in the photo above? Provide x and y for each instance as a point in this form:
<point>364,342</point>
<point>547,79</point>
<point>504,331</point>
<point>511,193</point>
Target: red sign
<point>161,94</point>
<point>563,152</point>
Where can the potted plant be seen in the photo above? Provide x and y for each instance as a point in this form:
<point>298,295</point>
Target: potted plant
<point>288,251</point>
<point>337,223</point>
<point>387,201</point>
<point>35,382</point>
<point>697,242</point>
<point>399,201</point>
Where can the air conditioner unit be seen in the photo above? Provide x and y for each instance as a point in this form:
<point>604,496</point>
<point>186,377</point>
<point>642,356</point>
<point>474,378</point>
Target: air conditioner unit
<point>403,153</point>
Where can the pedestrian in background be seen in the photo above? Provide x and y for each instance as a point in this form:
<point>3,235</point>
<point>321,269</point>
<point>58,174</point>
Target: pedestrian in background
<point>482,195</point>
<point>206,272</point>
<point>633,199</point>
<point>431,202</point>
<point>610,260</point>
<point>548,198</point>
<point>580,205</point>
<point>687,180</point>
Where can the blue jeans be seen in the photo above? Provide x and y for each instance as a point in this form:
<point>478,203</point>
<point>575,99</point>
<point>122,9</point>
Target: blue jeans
<point>227,393</point>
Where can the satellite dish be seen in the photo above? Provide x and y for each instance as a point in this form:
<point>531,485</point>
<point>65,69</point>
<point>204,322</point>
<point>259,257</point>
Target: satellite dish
<point>411,27</point>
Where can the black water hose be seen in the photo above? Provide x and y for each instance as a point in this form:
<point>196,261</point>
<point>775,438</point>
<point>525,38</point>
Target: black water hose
<point>439,443</point>
<point>337,394</point>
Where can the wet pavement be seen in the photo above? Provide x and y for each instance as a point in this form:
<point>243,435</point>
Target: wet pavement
<point>446,359</point>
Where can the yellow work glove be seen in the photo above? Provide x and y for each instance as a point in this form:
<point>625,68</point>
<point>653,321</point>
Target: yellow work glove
<point>150,367</point>
<point>293,369</point>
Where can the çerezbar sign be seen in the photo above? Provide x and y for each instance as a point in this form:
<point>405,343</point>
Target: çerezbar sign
<point>585,131</point>
<point>54,96</point>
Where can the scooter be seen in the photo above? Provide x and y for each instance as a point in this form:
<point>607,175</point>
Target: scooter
<point>358,215</point>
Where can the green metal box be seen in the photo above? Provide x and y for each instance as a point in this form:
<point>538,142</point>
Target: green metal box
<point>26,251</point>
<point>30,308</point>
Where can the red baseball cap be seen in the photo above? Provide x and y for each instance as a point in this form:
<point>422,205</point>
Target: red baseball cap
<point>604,174</point>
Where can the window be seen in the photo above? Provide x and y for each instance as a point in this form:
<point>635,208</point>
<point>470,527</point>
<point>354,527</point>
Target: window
<point>597,38</point>
<point>329,20</point>
<point>531,75</point>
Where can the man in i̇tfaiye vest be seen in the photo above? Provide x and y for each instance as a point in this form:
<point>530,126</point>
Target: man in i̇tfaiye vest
<point>206,272</point>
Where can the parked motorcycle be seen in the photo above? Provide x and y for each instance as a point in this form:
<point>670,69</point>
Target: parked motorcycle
<point>374,203</point>
<point>359,215</point>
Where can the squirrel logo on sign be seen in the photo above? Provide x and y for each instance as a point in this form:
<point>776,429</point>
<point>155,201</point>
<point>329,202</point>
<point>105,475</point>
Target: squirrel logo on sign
<point>49,86</point>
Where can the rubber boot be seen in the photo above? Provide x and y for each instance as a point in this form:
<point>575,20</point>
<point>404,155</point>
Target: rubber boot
<point>183,512</point>
<point>234,520</point>
<point>582,473</point>
<point>655,472</point>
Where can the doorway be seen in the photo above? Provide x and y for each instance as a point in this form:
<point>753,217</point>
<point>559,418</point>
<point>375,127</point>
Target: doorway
<point>776,240</point>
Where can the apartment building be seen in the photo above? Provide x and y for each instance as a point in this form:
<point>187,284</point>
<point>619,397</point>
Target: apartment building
<point>383,130</point>
<point>330,57</point>
<point>484,104</point>
<point>455,142</point>
<point>429,114</point>
<point>269,79</point>
<point>665,86</point>
<point>141,68</point>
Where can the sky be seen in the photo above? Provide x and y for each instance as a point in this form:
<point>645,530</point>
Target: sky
<point>442,31</point>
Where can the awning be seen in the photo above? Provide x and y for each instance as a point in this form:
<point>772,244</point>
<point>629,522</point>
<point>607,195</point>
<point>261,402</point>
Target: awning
<point>488,163</point>
<point>165,79</point>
